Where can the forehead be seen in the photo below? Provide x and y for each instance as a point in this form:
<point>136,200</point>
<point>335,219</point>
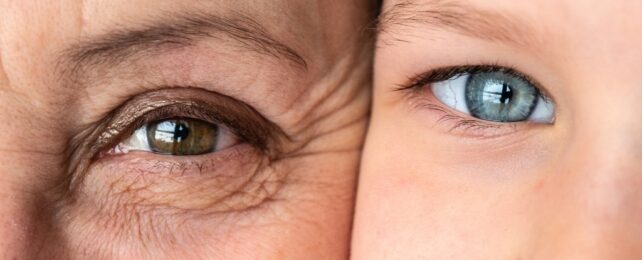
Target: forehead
<point>549,27</point>
<point>293,20</point>
<point>306,21</point>
<point>583,16</point>
<point>41,28</point>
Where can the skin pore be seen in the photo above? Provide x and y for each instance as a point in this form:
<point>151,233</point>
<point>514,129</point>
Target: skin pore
<point>437,183</point>
<point>284,82</point>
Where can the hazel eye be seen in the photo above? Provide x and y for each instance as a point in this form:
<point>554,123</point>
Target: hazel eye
<point>495,95</point>
<point>179,136</point>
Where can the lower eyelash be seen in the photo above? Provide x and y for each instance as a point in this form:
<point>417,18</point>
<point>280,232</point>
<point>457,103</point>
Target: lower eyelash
<point>456,124</point>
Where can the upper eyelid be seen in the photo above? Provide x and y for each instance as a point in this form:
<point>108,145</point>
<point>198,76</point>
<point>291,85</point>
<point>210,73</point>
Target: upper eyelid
<point>226,111</point>
<point>109,130</point>
<point>445,73</point>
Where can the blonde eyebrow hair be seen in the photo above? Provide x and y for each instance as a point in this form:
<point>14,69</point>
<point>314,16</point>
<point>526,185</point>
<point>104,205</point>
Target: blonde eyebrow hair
<point>457,17</point>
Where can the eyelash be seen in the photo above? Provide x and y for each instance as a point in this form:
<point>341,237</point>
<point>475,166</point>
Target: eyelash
<point>418,91</point>
<point>173,111</point>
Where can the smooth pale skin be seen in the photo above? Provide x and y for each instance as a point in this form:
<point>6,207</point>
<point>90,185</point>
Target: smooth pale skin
<point>572,190</point>
<point>324,108</point>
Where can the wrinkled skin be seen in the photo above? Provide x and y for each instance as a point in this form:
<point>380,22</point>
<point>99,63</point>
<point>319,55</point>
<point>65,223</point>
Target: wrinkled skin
<point>62,198</point>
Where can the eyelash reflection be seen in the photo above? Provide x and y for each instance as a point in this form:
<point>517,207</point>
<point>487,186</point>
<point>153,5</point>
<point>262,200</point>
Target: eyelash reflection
<point>509,100</point>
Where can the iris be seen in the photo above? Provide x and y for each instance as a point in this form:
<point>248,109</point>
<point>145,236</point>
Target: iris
<point>182,137</point>
<point>500,97</point>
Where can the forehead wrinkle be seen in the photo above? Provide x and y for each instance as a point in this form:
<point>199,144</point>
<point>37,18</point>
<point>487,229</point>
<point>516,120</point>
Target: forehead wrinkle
<point>177,31</point>
<point>458,17</point>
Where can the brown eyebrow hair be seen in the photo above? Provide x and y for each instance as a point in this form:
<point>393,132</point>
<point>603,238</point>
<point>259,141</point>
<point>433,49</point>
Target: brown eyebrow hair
<point>174,31</point>
<point>456,16</point>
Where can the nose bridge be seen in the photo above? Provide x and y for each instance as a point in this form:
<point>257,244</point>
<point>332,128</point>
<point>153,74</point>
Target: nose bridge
<point>594,205</point>
<point>27,201</point>
<point>597,183</point>
<point>26,167</point>
<point>18,218</point>
<point>27,176</point>
<point>604,152</point>
<point>607,123</point>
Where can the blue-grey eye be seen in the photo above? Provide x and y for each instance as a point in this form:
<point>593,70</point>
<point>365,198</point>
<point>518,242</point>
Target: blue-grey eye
<point>496,95</point>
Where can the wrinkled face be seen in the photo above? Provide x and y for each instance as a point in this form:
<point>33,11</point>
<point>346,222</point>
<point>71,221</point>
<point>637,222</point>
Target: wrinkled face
<point>504,130</point>
<point>180,129</point>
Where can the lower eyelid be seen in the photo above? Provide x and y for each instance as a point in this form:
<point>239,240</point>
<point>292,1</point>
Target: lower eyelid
<point>455,122</point>
<point>201,182</point>
<point>165,200</point>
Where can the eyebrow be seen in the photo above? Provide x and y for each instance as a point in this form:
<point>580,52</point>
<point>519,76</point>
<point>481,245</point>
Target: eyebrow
<point>455,16</point>
<point>179,30</point>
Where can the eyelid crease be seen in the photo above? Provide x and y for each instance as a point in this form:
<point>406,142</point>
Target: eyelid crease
<point>246,122</point>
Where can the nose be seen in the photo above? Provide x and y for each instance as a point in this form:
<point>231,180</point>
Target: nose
<point>24,210</point>
<point>17,222</point>
<point>594,195</point>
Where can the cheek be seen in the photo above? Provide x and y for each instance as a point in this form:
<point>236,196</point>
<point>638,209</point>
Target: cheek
<point>140,203</point>
<point>430,212</point>
<point>182,182</point>
<point>424,192</point>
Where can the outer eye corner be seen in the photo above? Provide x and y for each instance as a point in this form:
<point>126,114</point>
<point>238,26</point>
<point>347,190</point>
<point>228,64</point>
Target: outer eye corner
<point>544,112</point>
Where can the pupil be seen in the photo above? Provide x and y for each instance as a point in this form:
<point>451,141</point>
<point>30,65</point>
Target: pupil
<point>500,97</point>
<point>507,94</point>
<point>182,136</point>
<point>181,132</point>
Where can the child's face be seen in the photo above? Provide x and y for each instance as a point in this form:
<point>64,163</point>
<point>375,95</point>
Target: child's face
<point>468,158</point>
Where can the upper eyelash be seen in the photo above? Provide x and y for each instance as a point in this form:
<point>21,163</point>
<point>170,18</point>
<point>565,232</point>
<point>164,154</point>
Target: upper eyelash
<point>446,73</point>
<point>248,124</point>
<point>166,112</point>
<point>440,74</point>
